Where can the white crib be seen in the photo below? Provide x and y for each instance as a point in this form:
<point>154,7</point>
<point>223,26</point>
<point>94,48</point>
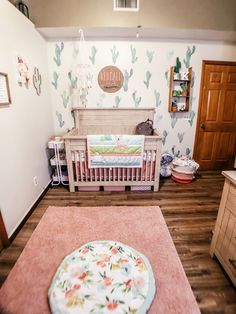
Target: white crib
<point>110,121</point>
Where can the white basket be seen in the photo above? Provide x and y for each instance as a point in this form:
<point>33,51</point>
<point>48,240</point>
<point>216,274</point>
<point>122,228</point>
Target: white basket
<point>141,188</point>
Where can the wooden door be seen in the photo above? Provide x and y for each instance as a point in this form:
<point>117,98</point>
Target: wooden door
<point>215,141</point>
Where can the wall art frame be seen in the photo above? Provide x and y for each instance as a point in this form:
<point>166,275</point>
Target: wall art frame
<point>5,95</point>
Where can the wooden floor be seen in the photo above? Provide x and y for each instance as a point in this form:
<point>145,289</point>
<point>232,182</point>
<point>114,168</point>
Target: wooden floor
<point>190,212</point>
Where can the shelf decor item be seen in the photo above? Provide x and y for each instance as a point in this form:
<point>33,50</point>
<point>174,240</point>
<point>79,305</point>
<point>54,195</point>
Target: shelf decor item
<point>177,67</point>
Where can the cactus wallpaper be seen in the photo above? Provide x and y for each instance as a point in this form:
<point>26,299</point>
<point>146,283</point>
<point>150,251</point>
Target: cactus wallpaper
<point>145,66</point>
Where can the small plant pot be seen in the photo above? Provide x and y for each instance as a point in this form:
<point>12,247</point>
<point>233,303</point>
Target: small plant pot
<point>174,108</point>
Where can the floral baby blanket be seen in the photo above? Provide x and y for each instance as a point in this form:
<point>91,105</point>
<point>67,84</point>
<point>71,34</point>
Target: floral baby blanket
<point>107,151</point>
<point>103,277</point>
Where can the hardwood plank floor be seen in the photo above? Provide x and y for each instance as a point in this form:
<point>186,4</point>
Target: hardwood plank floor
<point>190,212</point>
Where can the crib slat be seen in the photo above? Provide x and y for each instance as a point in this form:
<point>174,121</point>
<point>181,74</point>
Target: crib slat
<point>146,166</point>
<point>141,178</point>
<point>85,167</point>
<point>113,174</point>
<point>151,167</point>
<point>95,174</point>
<point>81,167</point>
<point>90,174</point>
<point>100,175</point>
<point>109,174</point>
<point>76,166</point>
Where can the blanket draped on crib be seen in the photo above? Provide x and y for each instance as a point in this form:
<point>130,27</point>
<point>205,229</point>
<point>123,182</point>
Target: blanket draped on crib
<point>121,151</point>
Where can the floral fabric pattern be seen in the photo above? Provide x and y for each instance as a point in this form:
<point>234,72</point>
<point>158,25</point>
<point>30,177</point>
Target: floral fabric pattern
<point>102,277</point>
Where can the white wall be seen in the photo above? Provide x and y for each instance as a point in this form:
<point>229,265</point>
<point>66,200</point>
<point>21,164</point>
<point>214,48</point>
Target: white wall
<point>26,124</point>
<point>179,128</point>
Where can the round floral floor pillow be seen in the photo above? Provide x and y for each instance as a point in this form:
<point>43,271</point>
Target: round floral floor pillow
<point>103,277</point>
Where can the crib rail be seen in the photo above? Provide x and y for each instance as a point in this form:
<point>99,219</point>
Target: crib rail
<point>80,175</point>
<point>83,174</point>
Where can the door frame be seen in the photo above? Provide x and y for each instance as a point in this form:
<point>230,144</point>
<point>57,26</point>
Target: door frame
<point>197,130</point>
<point>4,240</point>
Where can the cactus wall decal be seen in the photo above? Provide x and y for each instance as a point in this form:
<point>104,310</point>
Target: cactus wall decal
<point>60,119</point>
<point>55,79</point>
<point>73,79</point>
<point>93,54</point>
<point>193,79</point>
<point>188,151</point>
<point>37,81</point>
<point>191,117</point>
<point>134,58</point>
<point>117,102</point>
<point>164,136</point>
<point>58,51</point>
<point>170,54</point>
<point>188,55</point>
<point>150,55</point>
<point>148,77</point>
<point>75,52</point>
<point>158,118</point>
<point>180,137</point>
<point>167,77</point>
<point>173,122</point>
<point>157,97</point>
<point>127,76</point>
<point>100,100</point>
<point>65,99</point>
<point>114,54</point>
<point>136,100</point>
<point>176,153</point>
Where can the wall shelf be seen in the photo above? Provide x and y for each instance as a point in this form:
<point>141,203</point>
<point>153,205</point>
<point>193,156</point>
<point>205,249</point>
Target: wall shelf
<point>179,103</point>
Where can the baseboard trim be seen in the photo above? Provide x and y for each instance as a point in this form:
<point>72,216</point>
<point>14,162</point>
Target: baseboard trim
<point>17,230</point>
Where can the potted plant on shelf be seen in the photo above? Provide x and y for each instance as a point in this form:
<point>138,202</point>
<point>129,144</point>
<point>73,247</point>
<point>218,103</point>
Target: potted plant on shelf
<point>177,67</point>
<point>174,106</point>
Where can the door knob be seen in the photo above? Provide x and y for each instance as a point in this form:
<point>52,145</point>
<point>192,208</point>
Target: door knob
<point>202,125</point>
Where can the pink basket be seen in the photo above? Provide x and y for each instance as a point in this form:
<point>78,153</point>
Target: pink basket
<point>111,188</point>
<point>89,188</point>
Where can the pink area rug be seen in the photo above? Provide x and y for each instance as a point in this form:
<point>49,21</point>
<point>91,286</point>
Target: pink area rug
<point>63,229</point>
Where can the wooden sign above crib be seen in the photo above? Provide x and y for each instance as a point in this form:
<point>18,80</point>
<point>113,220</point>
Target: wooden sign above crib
<point>110,79</point>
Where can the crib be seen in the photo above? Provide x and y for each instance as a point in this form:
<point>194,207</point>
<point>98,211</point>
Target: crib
<point>110,121</point>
